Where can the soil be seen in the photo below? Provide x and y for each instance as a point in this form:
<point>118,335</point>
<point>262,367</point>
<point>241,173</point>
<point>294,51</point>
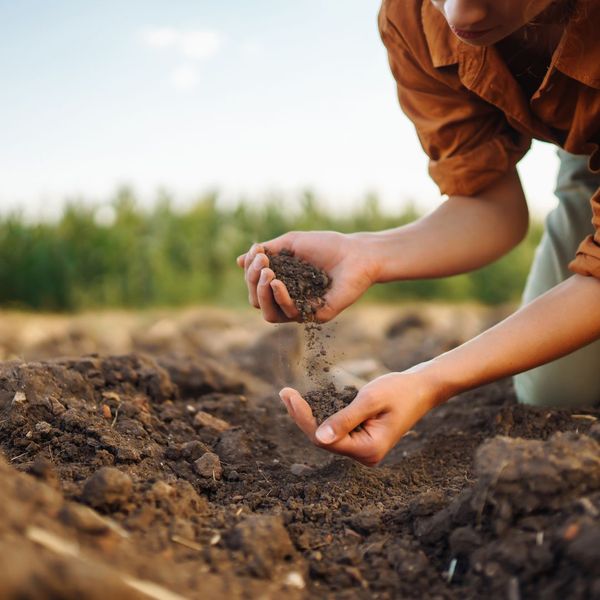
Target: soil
<point>164,476</point>
<point>306,284</point>
<point>327,400</point>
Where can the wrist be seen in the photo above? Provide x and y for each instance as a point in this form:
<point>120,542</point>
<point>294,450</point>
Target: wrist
<point>365,250</point>
<point>379,251</point>
<point>437,387</point>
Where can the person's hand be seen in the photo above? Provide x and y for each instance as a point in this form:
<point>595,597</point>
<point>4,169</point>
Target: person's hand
<point>343,257</point>
<point>386,408</point>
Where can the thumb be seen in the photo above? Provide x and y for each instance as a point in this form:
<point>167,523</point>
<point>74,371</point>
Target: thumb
<point>346,420</point>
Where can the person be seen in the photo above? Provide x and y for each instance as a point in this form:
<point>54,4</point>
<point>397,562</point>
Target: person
<point>479,79</point>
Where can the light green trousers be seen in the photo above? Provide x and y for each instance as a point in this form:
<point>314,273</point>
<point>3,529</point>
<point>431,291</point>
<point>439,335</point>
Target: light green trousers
<point>574,380</point>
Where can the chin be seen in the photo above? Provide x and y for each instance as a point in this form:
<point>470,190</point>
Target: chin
<point>486,40</point>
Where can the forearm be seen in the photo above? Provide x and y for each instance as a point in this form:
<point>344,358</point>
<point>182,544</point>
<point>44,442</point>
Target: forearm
<point>557,323</point>
<point>461,235</point>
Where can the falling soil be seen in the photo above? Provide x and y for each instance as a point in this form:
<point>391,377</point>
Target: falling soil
<point>307,286</point>
<point>328,400</point>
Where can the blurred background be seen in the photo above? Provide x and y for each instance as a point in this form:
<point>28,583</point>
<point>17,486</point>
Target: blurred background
<point>146,144</point>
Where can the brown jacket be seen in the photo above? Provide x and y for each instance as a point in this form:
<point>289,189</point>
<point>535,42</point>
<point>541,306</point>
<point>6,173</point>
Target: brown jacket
<point>472,118</point>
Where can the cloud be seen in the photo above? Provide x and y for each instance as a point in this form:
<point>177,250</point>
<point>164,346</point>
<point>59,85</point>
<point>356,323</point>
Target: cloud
<point>185,77</point>
<point>195,44</point>
<point>159,37</point>
<point>252,49</point>
<point>187,46</point>
<point>200,44</point>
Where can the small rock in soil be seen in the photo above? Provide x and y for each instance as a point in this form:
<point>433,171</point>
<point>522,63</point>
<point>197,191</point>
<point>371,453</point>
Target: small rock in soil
<point>264,541</point>
<point>126,453</point>
<point>209,465</point>
<point>193,450</point>
<point>295,580</point>
<point>204,419</point>
<point>366,521</point>
<point>107,488</point>
<point>299,469</point>
<point>326,401</point>
<point>19,398</point>
<point>43,427</point>
<point>233,446</point>
<point>232,475</point>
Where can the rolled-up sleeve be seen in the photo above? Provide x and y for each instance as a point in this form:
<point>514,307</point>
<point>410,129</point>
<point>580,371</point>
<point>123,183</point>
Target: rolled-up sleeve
<point>469,142</point>
<point>587,259</point>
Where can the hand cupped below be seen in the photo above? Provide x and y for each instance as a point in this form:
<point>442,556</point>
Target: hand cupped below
<point>385,409</point>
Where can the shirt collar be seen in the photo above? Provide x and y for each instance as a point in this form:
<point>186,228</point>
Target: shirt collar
<point>444,46</point>
<point>577,55</point>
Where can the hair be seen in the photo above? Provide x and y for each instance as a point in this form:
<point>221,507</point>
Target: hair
<point>558,12</point>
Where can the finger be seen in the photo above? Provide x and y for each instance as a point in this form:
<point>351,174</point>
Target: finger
<point>360,445</point>
<point>282,297</point>
<point>345,421</point>
<point>251,254</point>
<point>276,245</point>
<point>271,312</point>
<point>286,403</point>
<point>240,260</point>
<point>300,412</point>
<point>253,275</point>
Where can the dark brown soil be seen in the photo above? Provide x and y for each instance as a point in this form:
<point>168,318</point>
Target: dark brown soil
<point>327,400</point>
<point>177,471</point>
<point>306,284</point>
<point>114,476</point>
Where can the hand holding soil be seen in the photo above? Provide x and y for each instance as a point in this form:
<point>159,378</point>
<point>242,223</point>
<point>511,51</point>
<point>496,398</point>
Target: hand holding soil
<point>385,409</point>
<point>343,257</point>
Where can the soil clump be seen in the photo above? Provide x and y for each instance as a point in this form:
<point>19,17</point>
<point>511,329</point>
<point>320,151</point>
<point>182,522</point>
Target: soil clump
<point>326,401</point>
<point>306,284</point>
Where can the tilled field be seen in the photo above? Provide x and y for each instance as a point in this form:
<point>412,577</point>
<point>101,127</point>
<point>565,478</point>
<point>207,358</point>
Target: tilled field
<point>178,474</point>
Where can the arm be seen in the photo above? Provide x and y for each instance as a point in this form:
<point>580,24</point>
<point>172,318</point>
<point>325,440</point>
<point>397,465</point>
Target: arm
<point>464,233</point>
<point>560,321</point>
<point>557,323</point>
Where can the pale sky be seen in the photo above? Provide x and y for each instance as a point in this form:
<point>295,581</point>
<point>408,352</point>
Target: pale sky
<point>244,97</point>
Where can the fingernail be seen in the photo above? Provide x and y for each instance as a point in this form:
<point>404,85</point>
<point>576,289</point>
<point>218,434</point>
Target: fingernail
<point>325,434</point>
<point>291,403</point>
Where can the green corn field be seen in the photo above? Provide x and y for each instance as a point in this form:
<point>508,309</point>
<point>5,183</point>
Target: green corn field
<point>167,256</point>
